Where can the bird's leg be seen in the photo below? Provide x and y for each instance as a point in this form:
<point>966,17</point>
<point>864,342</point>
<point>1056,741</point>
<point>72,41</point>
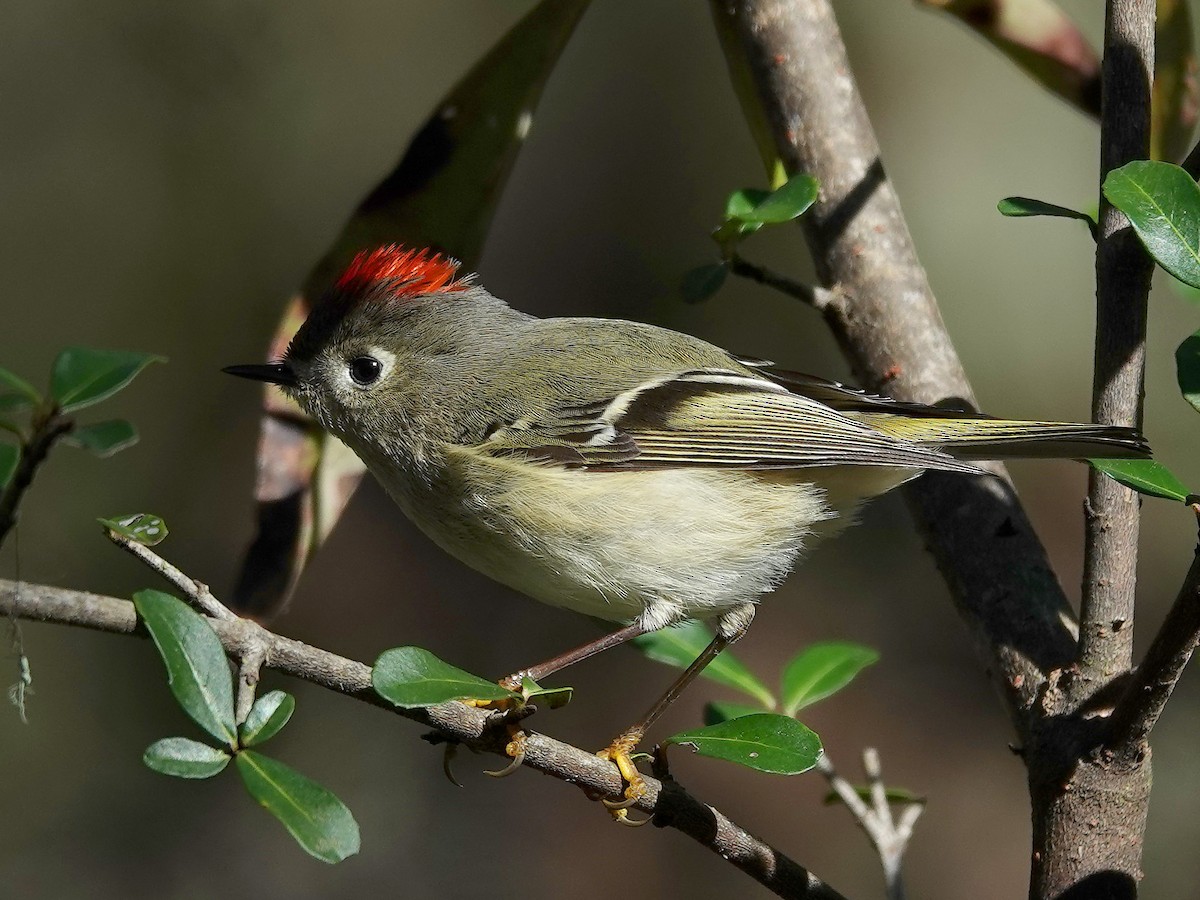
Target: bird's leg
<point>733,625</point>
<point>591,648</point>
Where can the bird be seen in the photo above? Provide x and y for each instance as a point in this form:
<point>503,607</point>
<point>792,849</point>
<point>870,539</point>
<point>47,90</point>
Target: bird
<point>618,469</point>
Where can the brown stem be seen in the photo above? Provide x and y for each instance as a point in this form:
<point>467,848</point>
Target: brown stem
<point>670,805</point>
<point>47,430</point>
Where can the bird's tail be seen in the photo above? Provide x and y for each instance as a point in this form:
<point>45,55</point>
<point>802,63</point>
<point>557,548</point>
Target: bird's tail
<point>985,438</point>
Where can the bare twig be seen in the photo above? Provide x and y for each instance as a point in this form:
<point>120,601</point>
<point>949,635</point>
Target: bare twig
<point>249,667</point>
<point>46,430</point>
<point>1123,270</point>
<point>1143,701</point>
<point>196,591</point>
<point>889,836</point>
<point>814,296</point>
<point>670,805</point>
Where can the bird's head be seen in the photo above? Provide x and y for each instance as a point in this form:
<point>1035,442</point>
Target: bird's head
<point>353,361</point>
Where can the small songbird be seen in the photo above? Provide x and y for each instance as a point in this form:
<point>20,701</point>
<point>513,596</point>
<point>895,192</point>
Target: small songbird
<point>621,470</point>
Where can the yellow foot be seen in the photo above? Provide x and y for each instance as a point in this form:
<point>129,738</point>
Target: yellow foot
<point>620,752</point>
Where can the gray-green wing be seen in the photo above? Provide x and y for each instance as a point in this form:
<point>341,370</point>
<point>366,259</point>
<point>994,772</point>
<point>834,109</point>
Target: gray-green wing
<point>719,418</point>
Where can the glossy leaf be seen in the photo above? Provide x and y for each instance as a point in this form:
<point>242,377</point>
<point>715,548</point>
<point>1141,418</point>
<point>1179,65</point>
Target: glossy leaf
<point>1019,207</point>
<point>551,698</point>
<point>767,742</point>
<point>898,796</point>
<point>319,821</point>
<point>20,385</point>
<point>702,282</point>
<point>785,203</point>
<point>742,202</point>
<point>681,644</point>
<point>197,669</point>
<point>185,758</point>
<point>104,438</point>
<point>821,670</point>
<point>268,715</point>
<point>718,711</point>
<point>82,376</point>
<point>10,455</point>
<point>1163,205</point>
<point>442,193</point>
<point>410,676</point>
<point>1146,476</point>
<point>141,527</point>
<point>1187,369</point>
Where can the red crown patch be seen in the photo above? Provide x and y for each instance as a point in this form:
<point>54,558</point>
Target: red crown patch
<point>409,273</point>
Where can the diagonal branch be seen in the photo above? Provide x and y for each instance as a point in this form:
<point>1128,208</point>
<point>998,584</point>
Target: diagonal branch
<point>886,319</point>
<point>1143,701</point>
<point>669,804</point>
<point>47,430</point>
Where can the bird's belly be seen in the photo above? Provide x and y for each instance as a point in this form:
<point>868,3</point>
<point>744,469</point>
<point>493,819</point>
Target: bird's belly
<point>661,544</point>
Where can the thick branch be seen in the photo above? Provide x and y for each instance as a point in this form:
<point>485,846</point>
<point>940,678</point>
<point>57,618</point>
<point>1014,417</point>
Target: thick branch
<point>669,804</point>
<point>886,319</point>
<point>1123,272</point>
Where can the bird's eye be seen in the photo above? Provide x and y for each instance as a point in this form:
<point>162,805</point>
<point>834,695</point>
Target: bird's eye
<point>365,370</point>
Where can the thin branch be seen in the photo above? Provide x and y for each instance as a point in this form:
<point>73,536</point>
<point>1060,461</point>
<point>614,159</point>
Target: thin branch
<point>196,591</point>
<point>46,431</point>
<point>814,296</point>
<point>1123,270</point>
<point>670,805</point>
<point>788,55</point>
<point>888,835</point>
<point>1143,701</point>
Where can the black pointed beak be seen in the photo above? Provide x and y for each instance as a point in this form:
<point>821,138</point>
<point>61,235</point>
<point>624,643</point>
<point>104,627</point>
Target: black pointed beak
<point>272,373</point>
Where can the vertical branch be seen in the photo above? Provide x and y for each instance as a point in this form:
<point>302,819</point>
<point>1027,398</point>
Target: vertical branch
<point>1123,272</point>
<point>790,54</point>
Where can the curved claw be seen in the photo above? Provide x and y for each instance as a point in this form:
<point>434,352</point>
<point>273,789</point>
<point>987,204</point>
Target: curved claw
<point>447,760</point>
<point>620,804</point>
<point>622,816</point>
<point>515,749</point>
<point>516,763</point>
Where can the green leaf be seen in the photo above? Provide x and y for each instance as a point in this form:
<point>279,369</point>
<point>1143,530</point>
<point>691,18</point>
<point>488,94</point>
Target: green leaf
<point>784,203</point>
<point>10,455</point>
<point>82,376</point>
<point>1024,206</point>
<point>104,438</point>
<point>1146,476</point>
<point>318,820</point>
<point>1187,369</point>
<point>741,203</point>
<point>10,403</point>
<point>702,282</point>
<point>553,698</point>
<point>410,676</point>
<point>197,669</point>
<point>822,669</point>
<point>20,385</point>
<point>185,758</point>
<point>1163,205</point>
<point>141,527</point>
<point>718,711</point>
<point>679,646</point>
<point>899,796</point>
<point>767,742</point>
<point>268,715</point>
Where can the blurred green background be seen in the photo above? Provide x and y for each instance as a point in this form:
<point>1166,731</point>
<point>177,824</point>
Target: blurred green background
<point>168,175</point>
